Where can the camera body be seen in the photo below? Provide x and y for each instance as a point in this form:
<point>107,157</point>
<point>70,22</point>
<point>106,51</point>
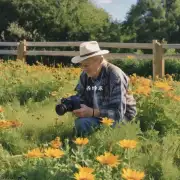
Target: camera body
<point>68,105</point>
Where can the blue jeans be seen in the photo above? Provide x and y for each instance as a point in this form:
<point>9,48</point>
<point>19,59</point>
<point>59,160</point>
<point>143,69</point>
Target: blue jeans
<point>86,125</point>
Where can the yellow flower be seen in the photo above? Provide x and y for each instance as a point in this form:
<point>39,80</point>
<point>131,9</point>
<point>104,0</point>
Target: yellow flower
<point>76,71</point>
<point>177,98</point>
<point>130,57</point>
<point>8,124</point>
<point>4,124</point>
<point>85,169</point>
<point>35,153</point>
<point>145,82</point>
<point>54,93</point>
<point>15,123</point>
<point>145,90</point>
<point>108,159</point>
<point>163,85</point>
<point>129,174</point>
<point>128,143</point>
<point>107,121</point>
<point>1,109</point>
<point>56,143</point>
<point>83,176</point>
<point>81,141</point>
<point>55,153</point>
<point>133,79</point>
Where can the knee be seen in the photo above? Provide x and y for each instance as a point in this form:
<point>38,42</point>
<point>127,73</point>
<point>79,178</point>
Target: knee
<point>80,126</point>
<point>80,123</point>
<point>85,125</point>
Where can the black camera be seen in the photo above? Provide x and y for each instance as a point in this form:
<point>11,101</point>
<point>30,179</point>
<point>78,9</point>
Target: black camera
<point>68,104</point>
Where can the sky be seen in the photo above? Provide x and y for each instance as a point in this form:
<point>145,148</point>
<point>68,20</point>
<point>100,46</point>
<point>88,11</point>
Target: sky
<point>117,8</point>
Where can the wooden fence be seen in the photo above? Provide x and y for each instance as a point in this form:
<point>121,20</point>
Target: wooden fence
<point>157,56</point>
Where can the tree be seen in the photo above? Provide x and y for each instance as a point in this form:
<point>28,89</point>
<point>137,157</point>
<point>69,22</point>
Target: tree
<point>149,19</point>
<point>52,20</point>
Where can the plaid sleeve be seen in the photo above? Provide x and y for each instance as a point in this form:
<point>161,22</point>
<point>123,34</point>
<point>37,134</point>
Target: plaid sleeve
<point>116,107</point>
<point>131,110</point>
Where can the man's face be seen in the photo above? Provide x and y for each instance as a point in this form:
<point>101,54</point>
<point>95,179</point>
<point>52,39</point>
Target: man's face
<point>91,66</point>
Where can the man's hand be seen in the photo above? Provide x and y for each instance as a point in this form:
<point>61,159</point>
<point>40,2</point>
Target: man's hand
<point>84,111</point>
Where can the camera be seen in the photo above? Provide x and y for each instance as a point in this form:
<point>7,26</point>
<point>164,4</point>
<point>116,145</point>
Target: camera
<point>68,104</point>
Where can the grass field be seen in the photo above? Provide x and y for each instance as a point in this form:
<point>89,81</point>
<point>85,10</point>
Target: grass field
<point>29,130</point>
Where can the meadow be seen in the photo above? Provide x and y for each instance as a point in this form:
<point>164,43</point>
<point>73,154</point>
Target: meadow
<point>36,143</point>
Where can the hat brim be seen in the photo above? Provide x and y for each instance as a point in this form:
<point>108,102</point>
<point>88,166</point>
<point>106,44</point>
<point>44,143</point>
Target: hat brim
<point>78,59</point>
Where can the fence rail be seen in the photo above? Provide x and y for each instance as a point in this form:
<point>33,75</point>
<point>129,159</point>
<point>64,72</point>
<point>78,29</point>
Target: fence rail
<point>101,44</point>
<point>9,43</point>
<point>171,46</point>
<point>11,52</point>
<point>157,56</point>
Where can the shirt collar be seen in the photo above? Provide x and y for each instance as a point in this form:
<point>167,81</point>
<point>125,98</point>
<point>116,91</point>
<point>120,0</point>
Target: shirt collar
<point>100,74</point>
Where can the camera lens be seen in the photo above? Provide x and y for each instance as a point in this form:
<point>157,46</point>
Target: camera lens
<point>61,109</point>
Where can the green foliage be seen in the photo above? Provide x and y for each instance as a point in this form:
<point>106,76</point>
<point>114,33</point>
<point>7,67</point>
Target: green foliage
<point>62,20</point>
<point>149,20</point>
<point>153,115</point>
<point>26,88</point>
<point>143,67</point>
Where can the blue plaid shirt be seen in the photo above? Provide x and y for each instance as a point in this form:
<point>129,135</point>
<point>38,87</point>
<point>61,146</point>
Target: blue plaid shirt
<point>111,93</point>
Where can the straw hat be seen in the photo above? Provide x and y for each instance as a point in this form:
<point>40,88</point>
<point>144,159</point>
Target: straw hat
<point>87,50</point>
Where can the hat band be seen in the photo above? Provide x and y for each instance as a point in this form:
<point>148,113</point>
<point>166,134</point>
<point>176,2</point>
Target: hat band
<point>89,54</point>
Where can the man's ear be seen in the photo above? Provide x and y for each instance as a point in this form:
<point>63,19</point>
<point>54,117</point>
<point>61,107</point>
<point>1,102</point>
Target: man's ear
<point>101,59</point>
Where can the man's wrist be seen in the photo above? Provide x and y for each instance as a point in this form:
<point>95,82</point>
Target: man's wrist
<point>92,112</point>
<point>96,113</point>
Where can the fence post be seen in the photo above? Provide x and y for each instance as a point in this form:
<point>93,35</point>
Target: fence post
<point>21,50</point>
<point>158,60</point>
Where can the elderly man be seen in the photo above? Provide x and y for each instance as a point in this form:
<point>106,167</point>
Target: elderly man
<point>103,89</point>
